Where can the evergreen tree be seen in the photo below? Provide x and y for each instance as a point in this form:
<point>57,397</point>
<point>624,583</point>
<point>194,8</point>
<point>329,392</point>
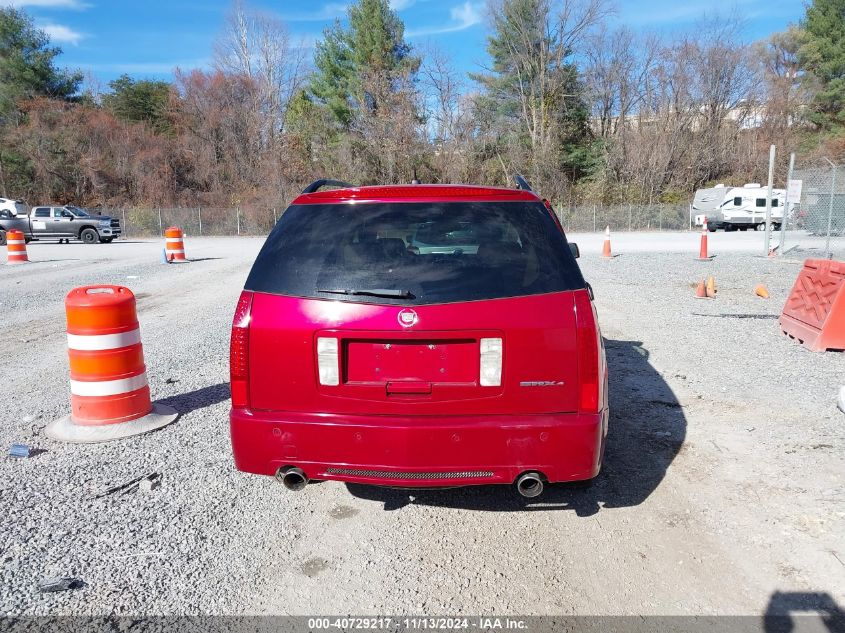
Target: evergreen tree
<point>332,82</point>
<point>823,54</point>
<point>372,49</point>
<point>143,100</point>
<point>27,67</point>
<point>533,93</point>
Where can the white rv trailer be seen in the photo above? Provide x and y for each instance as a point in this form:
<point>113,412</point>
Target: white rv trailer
<point>733,208</point>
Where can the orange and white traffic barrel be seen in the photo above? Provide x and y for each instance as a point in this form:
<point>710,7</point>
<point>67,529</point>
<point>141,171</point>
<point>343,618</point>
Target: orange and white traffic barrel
<point>16,247</point>
<point>174,244</point>
<point>110,396</point>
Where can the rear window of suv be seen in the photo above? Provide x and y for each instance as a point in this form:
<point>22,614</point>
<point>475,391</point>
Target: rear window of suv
<point>437,252</point>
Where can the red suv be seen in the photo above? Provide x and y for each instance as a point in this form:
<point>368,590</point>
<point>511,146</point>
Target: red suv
<point>418,335</point>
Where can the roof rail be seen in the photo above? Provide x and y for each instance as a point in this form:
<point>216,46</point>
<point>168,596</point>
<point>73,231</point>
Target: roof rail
<point>521,183</point>
<point>325,182</point>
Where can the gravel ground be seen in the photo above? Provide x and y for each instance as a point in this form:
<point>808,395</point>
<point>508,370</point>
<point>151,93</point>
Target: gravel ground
<point>722,490</point>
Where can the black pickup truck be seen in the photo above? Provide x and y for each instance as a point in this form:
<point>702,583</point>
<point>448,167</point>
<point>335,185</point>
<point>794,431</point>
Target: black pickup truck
<point>61,223</point>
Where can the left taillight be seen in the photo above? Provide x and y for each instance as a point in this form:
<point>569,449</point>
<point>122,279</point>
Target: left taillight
<point>239,352</point>
<point>590,377</point>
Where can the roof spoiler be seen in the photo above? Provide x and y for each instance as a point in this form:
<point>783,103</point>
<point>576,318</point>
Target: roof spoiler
<point>325,182</point>
<point>521,183</point>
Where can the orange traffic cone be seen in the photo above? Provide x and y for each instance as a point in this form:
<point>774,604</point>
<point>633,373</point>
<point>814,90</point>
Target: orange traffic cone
<point>710,287</point>
<point>701,291</point>
<point>761,291</point>
<point>605,250</point>
<point>702,249</point>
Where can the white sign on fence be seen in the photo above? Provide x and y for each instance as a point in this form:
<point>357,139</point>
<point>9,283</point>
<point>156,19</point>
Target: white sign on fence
<point>793,191</point>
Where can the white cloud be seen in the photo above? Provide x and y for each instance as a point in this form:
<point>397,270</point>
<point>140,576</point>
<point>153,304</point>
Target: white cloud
<point>305,42</point>
<point>56,4</point>
<point>144,68</point>
<point>463,16</point>
<point>467,14</point>
<point>328,11</point>
<point>62,33</point>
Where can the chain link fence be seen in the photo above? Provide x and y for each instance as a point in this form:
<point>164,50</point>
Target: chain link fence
<point>210,221</point>
<point>806,226</point>
<point>625,217</point>
<point>207,221</point>
<point>817,223</point>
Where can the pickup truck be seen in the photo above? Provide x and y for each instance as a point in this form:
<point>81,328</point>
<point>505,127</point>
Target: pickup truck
<point>61,223</point>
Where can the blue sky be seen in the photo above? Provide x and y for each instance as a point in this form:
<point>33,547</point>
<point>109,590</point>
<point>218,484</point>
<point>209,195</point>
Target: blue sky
<point>151,37</point>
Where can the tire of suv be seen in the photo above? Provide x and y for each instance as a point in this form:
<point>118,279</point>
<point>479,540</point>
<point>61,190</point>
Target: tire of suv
<point>89,236</point>
<point>106,240</point>
<point>2,238</point>
<point>712,228</point>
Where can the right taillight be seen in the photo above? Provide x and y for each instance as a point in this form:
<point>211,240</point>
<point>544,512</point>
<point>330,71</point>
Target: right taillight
<point>589,349</point>
<point>490,374</point>
<point>328,361</point>
<point>239,352</point>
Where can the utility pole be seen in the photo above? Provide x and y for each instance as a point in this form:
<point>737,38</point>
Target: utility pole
<point>769,198</point>
<point>785,218</point>
<point>830,207</point>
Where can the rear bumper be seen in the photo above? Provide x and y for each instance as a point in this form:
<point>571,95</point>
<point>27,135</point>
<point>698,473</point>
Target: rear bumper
<point>422,451</point>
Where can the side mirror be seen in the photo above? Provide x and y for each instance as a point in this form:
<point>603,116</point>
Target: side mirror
<point>573,247</point>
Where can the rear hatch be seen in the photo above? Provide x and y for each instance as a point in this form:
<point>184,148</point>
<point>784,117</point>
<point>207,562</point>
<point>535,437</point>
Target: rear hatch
<point>414,309</point>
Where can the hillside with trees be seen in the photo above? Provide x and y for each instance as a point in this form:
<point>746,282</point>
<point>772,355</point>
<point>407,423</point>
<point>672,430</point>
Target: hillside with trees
<point>587,112</point>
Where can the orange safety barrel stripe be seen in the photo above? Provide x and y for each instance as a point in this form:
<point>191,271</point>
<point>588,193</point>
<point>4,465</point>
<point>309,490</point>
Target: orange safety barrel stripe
<point>98,310</point>
<point>103,410</point>
<point>98,365</point>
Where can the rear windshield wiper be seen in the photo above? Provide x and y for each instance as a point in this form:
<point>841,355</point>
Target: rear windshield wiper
<point>374,292</point>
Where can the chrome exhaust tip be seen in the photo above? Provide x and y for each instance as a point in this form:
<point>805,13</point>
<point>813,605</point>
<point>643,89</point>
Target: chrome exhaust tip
<point>530,484</point>
<point>293,478</point>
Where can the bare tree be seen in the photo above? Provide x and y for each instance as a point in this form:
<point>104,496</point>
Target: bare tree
<point>258,46</point>
<point>786,90</point>
<point>448,111</point>
<point>618,67</point>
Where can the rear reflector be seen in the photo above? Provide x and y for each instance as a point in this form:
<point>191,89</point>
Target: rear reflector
<point>491,362</point>
<point>327,361</point>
